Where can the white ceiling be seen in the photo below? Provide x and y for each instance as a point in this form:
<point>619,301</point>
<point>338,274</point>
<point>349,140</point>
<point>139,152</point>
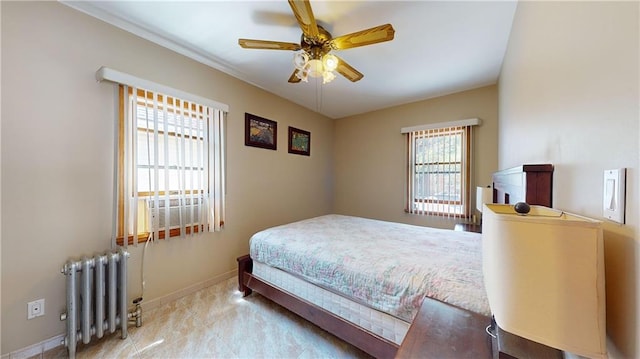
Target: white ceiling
<point>440,47</point>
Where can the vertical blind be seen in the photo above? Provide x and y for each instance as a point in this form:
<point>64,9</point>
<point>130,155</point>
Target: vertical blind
<point>173,163</point>
<point>439,168</point>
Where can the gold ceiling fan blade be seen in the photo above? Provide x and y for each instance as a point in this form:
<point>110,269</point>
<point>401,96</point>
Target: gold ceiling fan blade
<point>370,36</point>
<point>306,20</point>
<point>294,79</point>
<point>347,71</point>
<point>268,45</point>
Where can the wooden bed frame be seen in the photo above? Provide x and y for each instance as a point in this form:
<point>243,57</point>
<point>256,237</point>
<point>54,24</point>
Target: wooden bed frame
<point>528,185</point>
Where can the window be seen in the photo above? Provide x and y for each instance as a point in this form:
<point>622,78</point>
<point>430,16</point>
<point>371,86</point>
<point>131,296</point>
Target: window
<point>438,171</point>
<point>170,167</point>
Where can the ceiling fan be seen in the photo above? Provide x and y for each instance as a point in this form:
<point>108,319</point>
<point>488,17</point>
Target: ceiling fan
<point>313,54</point>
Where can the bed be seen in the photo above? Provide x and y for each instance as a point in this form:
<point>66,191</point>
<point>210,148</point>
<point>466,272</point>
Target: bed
<point>367,288</point>
<point>370,273</point>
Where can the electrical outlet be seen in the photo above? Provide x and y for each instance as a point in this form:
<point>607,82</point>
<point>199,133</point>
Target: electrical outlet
<point>35,309</point>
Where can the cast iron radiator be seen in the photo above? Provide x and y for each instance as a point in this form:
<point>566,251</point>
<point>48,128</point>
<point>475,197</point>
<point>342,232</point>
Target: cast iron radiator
<point>96,297</point>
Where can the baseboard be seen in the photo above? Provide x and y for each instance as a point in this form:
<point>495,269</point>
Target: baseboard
<point>36,349</point>
<point>39,348</point>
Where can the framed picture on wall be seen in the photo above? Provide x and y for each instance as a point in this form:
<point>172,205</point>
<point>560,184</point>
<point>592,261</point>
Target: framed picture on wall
<point>260,132</point>
<point>299,141</point>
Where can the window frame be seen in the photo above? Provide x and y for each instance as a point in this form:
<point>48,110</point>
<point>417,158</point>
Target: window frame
<point>197,194</point>
<point>465,171</point>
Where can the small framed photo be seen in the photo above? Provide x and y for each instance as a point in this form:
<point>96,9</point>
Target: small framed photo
<point>299,141</point>
<point>260,132</point>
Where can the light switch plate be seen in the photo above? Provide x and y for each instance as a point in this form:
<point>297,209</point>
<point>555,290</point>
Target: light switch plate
<point>613,203</point>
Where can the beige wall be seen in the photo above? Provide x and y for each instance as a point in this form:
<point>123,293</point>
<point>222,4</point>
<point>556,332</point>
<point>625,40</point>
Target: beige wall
<point>370,153</point>
<point>57,162</point>
<point>569,96</point>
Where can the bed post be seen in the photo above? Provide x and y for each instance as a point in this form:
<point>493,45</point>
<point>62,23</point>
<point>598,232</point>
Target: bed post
<point>245,265</point>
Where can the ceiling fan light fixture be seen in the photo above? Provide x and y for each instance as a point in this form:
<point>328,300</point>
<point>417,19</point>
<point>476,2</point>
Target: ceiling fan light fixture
<point>315,68</point>
<point>309,65</point>
<point>300,59</point>
<point>327,77</point>
<point>303,74</point>
<point>330,62</point>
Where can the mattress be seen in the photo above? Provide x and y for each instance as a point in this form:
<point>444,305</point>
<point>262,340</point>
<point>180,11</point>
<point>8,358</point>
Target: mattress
<point>374,321</point>
<point>386,266</point>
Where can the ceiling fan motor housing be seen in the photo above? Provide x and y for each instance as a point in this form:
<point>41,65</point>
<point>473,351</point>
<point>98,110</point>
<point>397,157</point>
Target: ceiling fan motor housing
<point>316,48</point>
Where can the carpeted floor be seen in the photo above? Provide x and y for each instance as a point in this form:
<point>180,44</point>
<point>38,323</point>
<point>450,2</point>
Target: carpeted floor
<point>217,322</point>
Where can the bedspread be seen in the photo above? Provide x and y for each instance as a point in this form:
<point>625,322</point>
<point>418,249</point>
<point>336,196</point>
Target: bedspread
<point>388,266</point>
